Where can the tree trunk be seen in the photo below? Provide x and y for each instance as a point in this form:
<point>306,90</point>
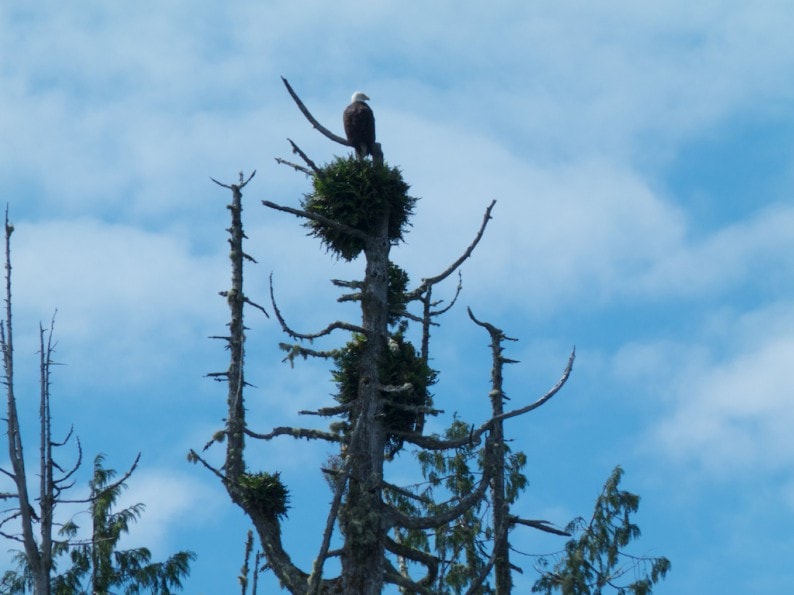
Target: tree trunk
<point>502,575</point>
<point>503,579</point>
<point>361,515</point>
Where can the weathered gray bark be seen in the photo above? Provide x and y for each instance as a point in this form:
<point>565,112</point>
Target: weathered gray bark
<point>235,424</point>
<point>267,527</point>
<point>503,581</point>
<point>362,511</point>
<point>37,553</point>
<point>358,506</point>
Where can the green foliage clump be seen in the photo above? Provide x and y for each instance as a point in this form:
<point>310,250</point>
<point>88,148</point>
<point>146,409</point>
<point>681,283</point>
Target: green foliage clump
<point>400,366</point>
<point>592,562</point>
<point>462,545</point>
<point>459,544</point>
<point>357,193</point>
<point>398,285</point>
<point>266,493</point>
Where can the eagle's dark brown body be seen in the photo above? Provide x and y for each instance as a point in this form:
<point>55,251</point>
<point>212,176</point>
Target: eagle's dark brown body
<point>359,124</point>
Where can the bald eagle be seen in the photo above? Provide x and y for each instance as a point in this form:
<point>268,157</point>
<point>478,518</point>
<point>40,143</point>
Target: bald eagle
<point>359,124</point>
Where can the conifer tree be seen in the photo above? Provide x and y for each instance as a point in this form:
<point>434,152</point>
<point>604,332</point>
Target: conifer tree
<point>426,538</point>
<point>596,561</point>
<point>97,565</point>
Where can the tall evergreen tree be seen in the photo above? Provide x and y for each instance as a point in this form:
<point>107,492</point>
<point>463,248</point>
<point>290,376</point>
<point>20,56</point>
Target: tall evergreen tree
<point>596,562</point>
<point>99,566</point>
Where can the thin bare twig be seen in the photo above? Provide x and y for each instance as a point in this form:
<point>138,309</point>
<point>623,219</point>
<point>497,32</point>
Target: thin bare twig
<point>194,456</point>
<point>451,303</point>
<point>294,166</point>
<point>553,391</point>
<point>110,487</point>
<point>239,186</point>
<point>435,443</point>
<point>255,305</point>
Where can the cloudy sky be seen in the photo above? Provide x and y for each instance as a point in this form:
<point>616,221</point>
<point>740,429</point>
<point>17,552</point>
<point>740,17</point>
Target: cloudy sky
<point>641,156</point>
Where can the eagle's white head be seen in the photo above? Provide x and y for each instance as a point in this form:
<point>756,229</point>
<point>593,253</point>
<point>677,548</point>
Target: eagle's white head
<point>359,96</point>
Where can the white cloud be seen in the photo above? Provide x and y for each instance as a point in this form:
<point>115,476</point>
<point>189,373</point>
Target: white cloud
<point>587,225</point>
<point>737,415</point>
<point>747,251</point>
<point>557,232</point>
<point>130,302</point>
<point>591,230</point>
<point>172,498</point>
<point>725,398</point>
<point>103,120</point>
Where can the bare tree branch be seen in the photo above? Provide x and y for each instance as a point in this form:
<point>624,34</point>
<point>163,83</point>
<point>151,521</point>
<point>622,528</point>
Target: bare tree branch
<point>446,309</point>
<point>540,525</point>
<point>255,305</point>
<point>553,391</point>
<point>348,284</point>
<point>294,166</point>
<point>35,560</point>
<point>296,149</point>
<point>412,295</point>
<point>326,331</point>
<point>436,443</point>
<point>352,231</point>
<point>193,456</point>
<point>294,351</point>
<point>239,186</point>
<point>398,518</point>
<point>111,486</point>
<point>327,133</point>
<point>330,411</point>
<point>234,466</point>
<point>333,513</point>
<point>294,433</point>
<point>406,584</point>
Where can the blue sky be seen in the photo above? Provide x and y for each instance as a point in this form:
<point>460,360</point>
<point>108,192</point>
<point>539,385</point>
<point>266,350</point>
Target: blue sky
<point>642,159</point>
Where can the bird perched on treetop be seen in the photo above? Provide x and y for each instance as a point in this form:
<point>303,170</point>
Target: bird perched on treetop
<point>359,124</point>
